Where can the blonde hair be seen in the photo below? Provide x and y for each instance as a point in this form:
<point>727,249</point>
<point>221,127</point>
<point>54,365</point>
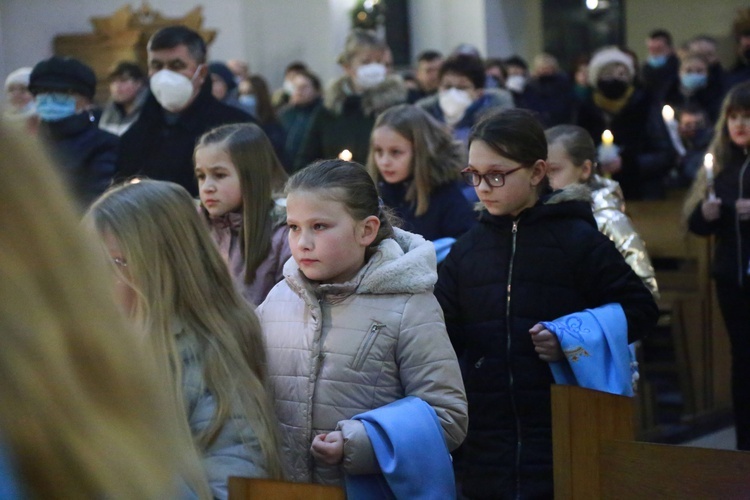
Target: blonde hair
<point>436,158</point>
<point>261,177</point>
<point>81,411</point>
<point>358,40</point>
<point>179,277</point>
<point>738,99</point>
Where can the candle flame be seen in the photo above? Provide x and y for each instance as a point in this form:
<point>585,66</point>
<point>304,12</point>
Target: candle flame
<point>667,113</point>
<point>607,138</point>
<point>708,161</point>
<point>345,155</point>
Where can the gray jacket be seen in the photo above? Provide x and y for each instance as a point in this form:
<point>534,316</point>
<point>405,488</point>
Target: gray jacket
<point>337,350</point>
<point>236,450</point>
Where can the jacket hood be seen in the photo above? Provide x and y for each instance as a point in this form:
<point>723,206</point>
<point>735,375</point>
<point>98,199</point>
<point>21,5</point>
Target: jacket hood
<point>405,263</point>
<point>373,100</point>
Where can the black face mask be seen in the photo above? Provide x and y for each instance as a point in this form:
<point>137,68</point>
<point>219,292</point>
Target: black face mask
<point>612,89</point>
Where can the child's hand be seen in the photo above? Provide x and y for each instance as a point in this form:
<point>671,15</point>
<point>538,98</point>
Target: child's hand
<point>328,448</point>
<point>613,166</point>
<point>711,209</point>
<point>546,344</point>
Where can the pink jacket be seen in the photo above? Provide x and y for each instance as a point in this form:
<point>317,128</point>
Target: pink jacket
<point>225,232</point>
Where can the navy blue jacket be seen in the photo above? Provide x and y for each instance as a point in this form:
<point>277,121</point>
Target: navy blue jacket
<point>448,215</point>
<point>85,154</point>
<point>161,148</point>
<point>498,282</point>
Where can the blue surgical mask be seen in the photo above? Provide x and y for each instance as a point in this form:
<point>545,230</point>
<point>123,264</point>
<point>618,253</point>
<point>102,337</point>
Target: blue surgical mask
<point>248,101</point>
<point>54,107</point>
<point>656,61</point>
<point>693,81</point>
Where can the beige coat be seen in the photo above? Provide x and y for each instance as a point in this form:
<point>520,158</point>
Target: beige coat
<point>338,350</point>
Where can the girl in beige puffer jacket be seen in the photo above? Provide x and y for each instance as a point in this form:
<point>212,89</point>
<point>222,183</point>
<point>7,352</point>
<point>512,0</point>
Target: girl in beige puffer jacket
<point>353,327</point>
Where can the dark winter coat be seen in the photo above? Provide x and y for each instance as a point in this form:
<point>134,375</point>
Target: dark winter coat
<point>708,98</point>
<point>346,120</point>
<point>657,80</point>
<point>160,144</point>
<point>557,262</point>
<point>551,98</point>
<point>296,121</point>
<point>645,148</point>
<point>732,253</point>
<point>85,154</point>
<point>449,214</point>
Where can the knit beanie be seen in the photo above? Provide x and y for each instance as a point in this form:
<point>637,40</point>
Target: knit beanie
<point>605,56</point>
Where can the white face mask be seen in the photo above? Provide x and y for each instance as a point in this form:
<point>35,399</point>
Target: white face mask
<point>369,75</point>
<point>288,87</point>
<point>173,90</point>
<point>516,83</point>
<point>454,103</point>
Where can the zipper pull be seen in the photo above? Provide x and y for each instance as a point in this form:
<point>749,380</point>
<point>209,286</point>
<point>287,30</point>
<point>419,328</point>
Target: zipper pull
<point>515,226</point>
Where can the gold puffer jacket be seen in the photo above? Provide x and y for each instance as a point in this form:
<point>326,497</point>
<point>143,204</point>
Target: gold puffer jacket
<point>608,207</point>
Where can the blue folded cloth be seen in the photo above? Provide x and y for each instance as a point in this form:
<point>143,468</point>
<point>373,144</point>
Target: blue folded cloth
<point>408,442</point>
<point>443,247</point>
<point>595,343</point>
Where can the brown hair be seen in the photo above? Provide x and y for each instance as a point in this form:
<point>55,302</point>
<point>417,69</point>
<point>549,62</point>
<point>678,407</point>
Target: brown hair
<point>515,134</point>
<point>350,184</point>
<point>261,175</point>
<point>437,159</point>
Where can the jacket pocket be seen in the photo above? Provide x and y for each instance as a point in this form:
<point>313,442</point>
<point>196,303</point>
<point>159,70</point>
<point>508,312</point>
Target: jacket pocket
<point>366,346</point>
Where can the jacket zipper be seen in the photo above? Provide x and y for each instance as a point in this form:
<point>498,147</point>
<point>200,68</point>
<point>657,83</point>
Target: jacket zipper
<point>369,340</point>
<point>741,267</point>
<point>508,359</point>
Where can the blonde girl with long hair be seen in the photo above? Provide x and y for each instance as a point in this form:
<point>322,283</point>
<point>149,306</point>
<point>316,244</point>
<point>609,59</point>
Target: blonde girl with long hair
<point>82,414</point>
<point>206,339</point>
<point>723,210</point>
<point>416,166</point>
<point>239,181</point>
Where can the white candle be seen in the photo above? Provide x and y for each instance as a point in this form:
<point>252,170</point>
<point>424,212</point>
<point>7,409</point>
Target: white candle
<point>667,113</point>
<point>345,155</point>
<point>708,163</point>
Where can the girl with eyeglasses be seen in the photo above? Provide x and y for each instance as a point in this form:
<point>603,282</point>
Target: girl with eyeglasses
<point>535,256</point>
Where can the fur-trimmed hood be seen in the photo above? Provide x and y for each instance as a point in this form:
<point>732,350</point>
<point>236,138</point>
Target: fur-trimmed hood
<point>390,92</point>
<point>405,263</point>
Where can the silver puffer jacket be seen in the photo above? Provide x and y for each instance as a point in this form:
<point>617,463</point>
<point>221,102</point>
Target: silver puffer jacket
<point>608,207</point>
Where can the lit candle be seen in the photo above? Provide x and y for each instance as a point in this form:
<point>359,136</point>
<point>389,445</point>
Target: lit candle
<point>345,155</point>
<point>667,113</point>
<point>607,151</point>
<point>708,164</point>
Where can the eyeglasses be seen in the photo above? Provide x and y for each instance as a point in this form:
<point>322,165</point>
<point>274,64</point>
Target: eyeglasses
<point>493,179</point>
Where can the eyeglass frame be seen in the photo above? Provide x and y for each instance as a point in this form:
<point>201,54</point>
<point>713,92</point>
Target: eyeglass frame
<point>486,177</point>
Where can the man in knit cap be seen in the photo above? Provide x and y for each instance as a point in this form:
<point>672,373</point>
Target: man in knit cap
<point>63,90</point>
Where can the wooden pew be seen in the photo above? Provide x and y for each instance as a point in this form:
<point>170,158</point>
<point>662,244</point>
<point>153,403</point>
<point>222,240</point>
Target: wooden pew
<point>688,306</point>
<point>595,455</point>
<point>244,488</point>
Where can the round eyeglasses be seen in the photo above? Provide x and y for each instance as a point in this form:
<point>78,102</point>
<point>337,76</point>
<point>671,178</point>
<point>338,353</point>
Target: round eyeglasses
<point>493,179</point>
